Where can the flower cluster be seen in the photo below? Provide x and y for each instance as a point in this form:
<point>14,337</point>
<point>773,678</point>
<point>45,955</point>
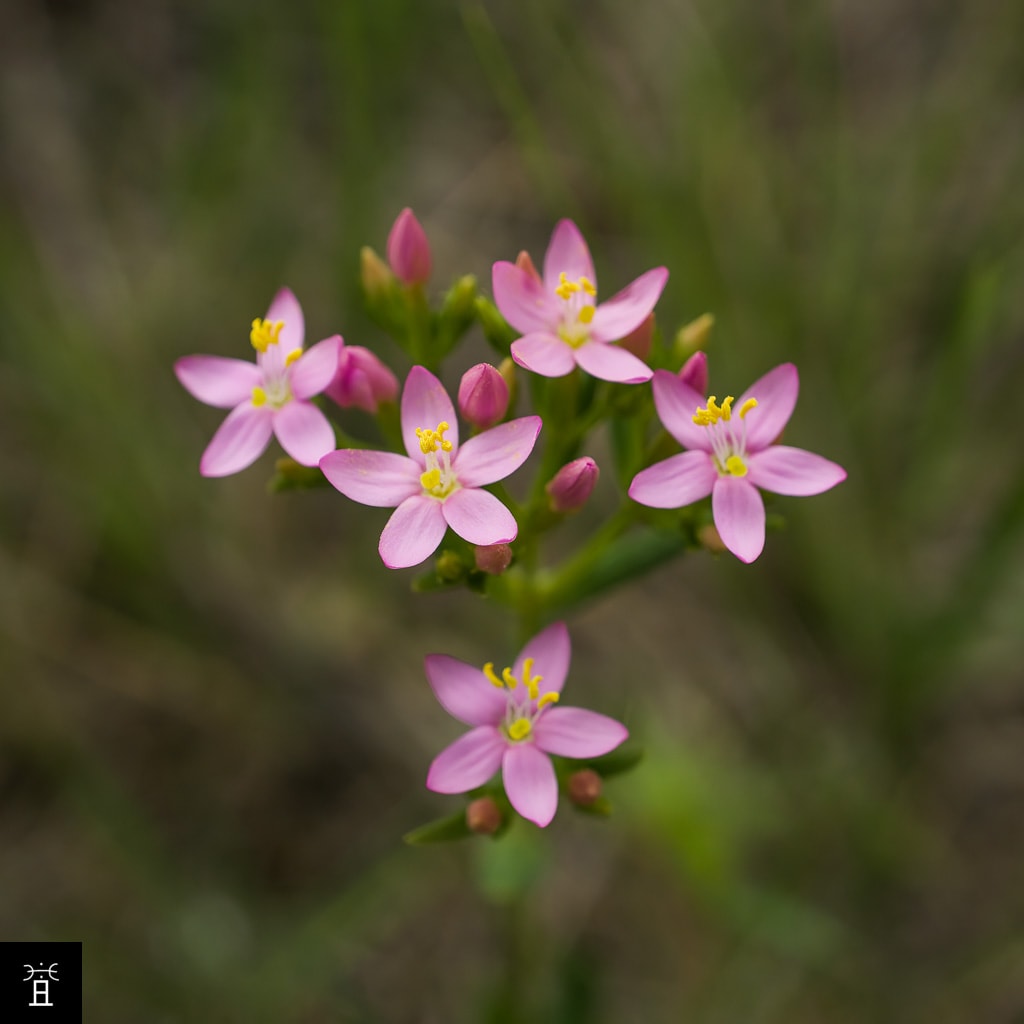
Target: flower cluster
<point>444,479</point>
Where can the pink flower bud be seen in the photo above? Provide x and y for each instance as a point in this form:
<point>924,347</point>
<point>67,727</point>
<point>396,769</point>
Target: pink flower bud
<point>639,340</point>
<point>695,372</point>
<point>483,816</point>
<point>408,249</point>
<point>362,380</point>
<point>571,486</point>
<point>523,262</point>
<point>492,559</point>
<point>483,396</point>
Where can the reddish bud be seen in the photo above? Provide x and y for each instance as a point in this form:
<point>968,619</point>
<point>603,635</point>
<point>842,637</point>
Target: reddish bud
<point>584,787</point>
<point>523,262</point>
<point>572,485</point>
<point>695,372</point>
<point>362,380</point>
<point>483,396</point>
<point>409,250</point>
<point>492,559</point>
<point>483,816</point>
<point>639,340</point>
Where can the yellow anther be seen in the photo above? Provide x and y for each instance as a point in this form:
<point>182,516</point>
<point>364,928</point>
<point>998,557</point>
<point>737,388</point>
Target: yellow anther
<point>727,409</point>
<point>510,680</point>
<point>586,314</point>
<point>430,479</point>
<point>750,403</point>
<point>588,286</point>
<point>527,670</point>
<point>265,333</point>
<point>431,440</point>
<point>259,397</point>
<point>548,698</point>
<point>565,286</point>
<point>492,677</point>
<point>735,466</point>
<point>714,412</point>
<point>520,729</point>
<point>292,356</point>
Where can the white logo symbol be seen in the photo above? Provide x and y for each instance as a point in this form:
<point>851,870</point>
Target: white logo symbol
<point>41,986</point>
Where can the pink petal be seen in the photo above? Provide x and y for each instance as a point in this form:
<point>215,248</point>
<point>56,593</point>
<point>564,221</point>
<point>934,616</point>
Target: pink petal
<point>776,395</point>
<point>522,299</point>
<point>568,253</point>
<point>286,307</point>
<point>464,691</point>
<point>530,783</point>
<point>469,762</point>
<point>545,354</point>
<point>739,517</point>
<point>624,312</point>
<point>315,368</point>
<point>382,479</point>
<point>609,362</point>
<point>425,404</point>
<point>787,470</point>
<point>694,373</point>
<point>675,482</point>
<point>413,532</point>
<point>576,732</point>
<point>304,431</point>
<point>551,651</point>
<point>478,516</point>
<point>240,440</point>
<point>676,403</point>
<point>496,453</point>
<point>217,381</point>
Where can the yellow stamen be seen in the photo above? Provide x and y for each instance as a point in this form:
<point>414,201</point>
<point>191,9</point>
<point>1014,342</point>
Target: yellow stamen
<point>530,681</point>
<point>548,698</point>
<point>510,680</point>
<point>519,729</point>
<point>714,412</point>
<point>430,479</point>
<point>491,676</point>
<point>565,286</point>
<point>735,466</point>
<point>259,397</point>
<point>587,285</point>
<point>265,333</point>
<point>586,314</point>
<point>431,440</point>
<point>750,403</point>
<point>292,356</point>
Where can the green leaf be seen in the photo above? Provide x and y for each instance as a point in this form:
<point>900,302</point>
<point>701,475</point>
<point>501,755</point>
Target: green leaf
<point>444,830</point>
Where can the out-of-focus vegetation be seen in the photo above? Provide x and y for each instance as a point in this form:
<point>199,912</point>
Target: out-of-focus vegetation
<point>215,726</point>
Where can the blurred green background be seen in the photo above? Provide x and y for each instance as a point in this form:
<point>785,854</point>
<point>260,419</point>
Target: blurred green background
<point>215,726</point>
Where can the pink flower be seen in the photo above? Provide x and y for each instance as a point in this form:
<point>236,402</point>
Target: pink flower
<point>732,454</point>
<point>409,250</point>
<point>270,396</point>
<point>361,380</point>
<point>516,725</point>
<point>562,325</point>
<point>438,484</point>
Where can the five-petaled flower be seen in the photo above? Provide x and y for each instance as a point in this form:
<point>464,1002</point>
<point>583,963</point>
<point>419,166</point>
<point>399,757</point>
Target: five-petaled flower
<point>270,396</point>
<point>561,322</point>
<point>732,454</point>
<point>516,724</point>
<point>438,484</point>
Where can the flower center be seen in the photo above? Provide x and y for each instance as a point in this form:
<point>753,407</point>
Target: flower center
<point>525,703</point>
<point>438,480</point>
<point>728,442</point>
<point>579,312</point>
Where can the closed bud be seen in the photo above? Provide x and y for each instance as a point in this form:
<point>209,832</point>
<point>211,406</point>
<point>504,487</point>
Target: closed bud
<point>483,396</point>
<point>639,340</point>
<point>523,262</point>
<point>584,787</point>
<point>362,381</point>
<point>458,311</point>
<point>695,372</point>
<point>694,336</point>
<point>449,567</point>
<point>572,485</point>
<point>376,278</point>
<point>492,559</point>
<point>483,816</point>
<point>409,250</point>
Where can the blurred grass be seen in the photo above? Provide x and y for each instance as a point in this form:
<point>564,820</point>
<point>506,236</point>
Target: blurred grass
<point>212,740</point>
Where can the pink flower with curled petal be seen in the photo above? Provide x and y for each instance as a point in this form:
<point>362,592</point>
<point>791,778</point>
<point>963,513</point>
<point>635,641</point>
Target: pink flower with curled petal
<point>438,484</point>
<point>270,396</point>
<point>562,325</point>
<point>732,454</point>
<point>361,380</point>
<point>516,725</point>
